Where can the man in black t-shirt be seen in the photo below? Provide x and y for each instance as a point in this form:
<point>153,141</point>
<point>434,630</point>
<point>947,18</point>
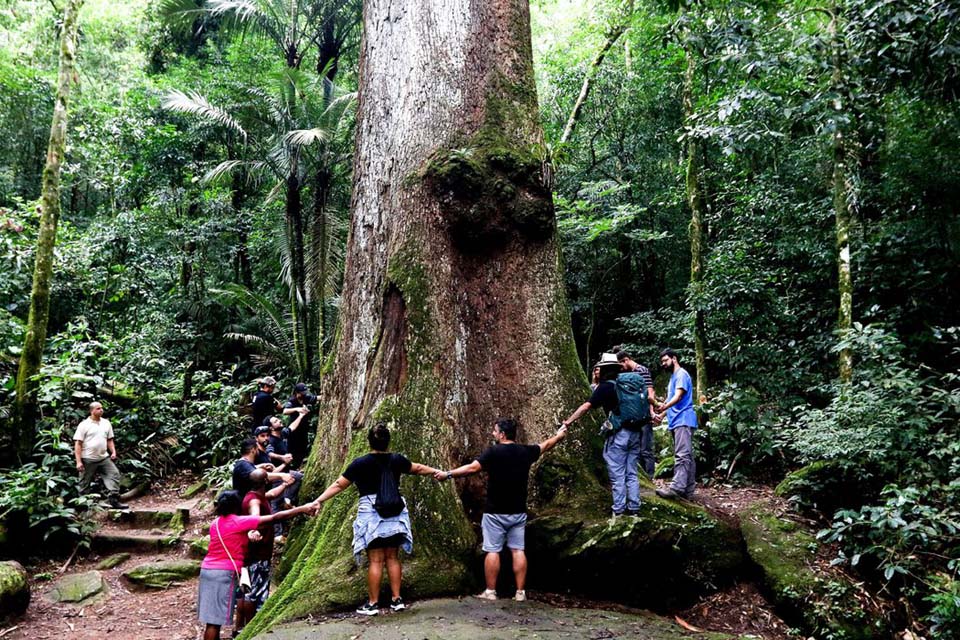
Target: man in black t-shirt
<point>505,515</point>
<point>264,404</point>
<point>242,468</point>
<point>621,449</point>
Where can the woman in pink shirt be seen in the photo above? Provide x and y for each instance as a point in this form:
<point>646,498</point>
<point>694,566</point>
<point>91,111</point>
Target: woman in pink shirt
<point>220,569</point>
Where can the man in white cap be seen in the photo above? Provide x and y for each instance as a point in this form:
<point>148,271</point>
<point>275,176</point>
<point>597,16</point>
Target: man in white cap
<point>621,450</point>
<point>264,404</point>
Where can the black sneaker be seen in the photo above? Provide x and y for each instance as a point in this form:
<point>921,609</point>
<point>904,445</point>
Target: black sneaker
<point>668,493</point>
<point>397,604</point>
<point>368,609</point>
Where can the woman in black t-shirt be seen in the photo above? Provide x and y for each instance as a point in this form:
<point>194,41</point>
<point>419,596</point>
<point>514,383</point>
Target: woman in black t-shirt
<point>381,537</point>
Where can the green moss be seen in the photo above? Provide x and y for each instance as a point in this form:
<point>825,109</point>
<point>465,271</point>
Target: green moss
<point>823,605</point>
<point>664,558</point>
<point>490,184</point>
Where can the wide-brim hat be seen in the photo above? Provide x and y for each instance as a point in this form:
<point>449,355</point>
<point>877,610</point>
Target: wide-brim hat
<point>607,360</point>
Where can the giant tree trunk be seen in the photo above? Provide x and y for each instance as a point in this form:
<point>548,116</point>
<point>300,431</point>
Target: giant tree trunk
<point>453,310</point>
<point>30,359</point>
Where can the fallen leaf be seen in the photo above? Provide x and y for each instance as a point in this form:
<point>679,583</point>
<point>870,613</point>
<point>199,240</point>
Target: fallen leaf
<point>686,625</point>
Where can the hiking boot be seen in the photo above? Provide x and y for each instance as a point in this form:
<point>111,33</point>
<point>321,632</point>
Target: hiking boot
<point>521,596</point>
<point>114,501</point>
<point>668,493</point>
<point>488,594</point>
<point>368,609</point>
<point>397,604</point>
<point>633,514</point>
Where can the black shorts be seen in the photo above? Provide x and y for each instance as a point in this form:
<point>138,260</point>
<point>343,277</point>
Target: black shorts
<point>390,542</point>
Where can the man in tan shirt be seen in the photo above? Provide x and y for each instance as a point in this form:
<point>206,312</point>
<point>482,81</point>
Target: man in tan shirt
<point>95,452</point>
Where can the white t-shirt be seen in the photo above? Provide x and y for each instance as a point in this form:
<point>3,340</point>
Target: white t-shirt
<point>94,436</point>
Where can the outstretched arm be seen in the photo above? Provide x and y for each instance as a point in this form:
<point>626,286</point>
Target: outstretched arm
<point>459,472</point>
<point>418,469</point>
<point>311,508</point>
<point>552,441</point>
<point>296,421</point>
<point>582,409</point>
<point>338,485</point>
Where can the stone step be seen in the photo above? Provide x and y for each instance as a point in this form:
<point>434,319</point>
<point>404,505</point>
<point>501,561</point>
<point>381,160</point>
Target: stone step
<point>152,541</point>
<point>175,518</point>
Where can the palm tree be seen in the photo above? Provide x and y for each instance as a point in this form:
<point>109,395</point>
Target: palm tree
<point>287,153</point>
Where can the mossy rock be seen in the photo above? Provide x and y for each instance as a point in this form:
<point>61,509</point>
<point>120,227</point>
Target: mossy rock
<point>163,574</point>
<point>14,590</point>
<point>820,604</point>
<point>828,485</point>
<point>663,558</point>
<point>199,547</point>
<point>77,588</point>
<point>195,489</point>
<point>113,561</point>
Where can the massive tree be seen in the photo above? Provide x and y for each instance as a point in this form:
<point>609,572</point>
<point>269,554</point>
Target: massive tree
<point>453,310</point>
<point>453,314</point>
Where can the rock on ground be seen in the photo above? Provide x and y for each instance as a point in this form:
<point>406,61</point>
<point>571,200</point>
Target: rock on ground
<point>78,587</point>
<point>14,590</point>
<point>821,601</point>
<point>162,574</point>
<point>473,619</point>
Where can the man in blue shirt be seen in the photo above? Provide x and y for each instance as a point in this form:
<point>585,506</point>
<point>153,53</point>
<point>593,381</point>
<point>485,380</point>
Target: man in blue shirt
<point>682,423</point>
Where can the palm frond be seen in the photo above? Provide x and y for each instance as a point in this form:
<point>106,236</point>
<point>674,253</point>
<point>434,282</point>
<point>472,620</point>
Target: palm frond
<point>181,13</point>
<point>306,137</point>
<point>196,104</point>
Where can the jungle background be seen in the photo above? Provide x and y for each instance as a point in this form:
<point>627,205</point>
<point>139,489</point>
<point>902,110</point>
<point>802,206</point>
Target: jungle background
<point>768,187</point>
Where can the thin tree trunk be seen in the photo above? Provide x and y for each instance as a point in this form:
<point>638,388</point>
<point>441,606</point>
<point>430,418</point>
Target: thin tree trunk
<point>613,34</point>
<point>453,310</point>
<point>31,358</point>
<point>698,232</point>
<point>844,193</point>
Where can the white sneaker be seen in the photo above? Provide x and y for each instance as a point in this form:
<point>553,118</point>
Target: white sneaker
<point>488,594</point>
<point>521,596</point>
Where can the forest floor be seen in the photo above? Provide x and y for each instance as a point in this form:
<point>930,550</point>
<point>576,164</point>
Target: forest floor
<point>126,612</point>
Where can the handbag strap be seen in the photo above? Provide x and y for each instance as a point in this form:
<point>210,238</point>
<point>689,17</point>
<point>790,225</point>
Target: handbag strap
<point>222,544</point>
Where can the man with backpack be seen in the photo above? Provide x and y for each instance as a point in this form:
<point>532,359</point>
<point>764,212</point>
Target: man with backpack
<point>648,460</point>
<point>624,397</point>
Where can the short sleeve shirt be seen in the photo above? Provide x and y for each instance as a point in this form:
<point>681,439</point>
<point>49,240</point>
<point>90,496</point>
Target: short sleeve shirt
<point>94,436</point>
<point>605,395</point>
<point>264,405</point>
<point>365,471</point>
<point>508,468</point>
<point>682,413</point>
<point>241,476</point>
<point>279,445</point>
<point>645,374</point>
<point>229,553</point>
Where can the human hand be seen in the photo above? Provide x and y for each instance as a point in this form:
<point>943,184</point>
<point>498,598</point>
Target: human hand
<point>80,467</point>
<point>254,536</point>
<point>287,458</point>
<point>267,467</point>
<point>113,456</point>
<point>657,418</point>
<point>315,507</point>
<point>562,431</point>
<point>287,478</point>
<point>304,410</point>
<point>440,476</point>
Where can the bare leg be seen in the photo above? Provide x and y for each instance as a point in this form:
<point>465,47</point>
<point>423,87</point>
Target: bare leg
<point>374,573</point>
<point>394,571</point>
<point>491,568</point>
<point>519,567</point>
<point>212,632</point>
<point>245,611</point>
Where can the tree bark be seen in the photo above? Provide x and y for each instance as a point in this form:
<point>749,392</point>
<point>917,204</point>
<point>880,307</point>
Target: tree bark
<point>31,358</point>
<point>698,231</point>
<point>453,310</point>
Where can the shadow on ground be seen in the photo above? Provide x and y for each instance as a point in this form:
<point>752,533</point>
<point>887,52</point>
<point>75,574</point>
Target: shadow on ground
<point>472,619</point>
